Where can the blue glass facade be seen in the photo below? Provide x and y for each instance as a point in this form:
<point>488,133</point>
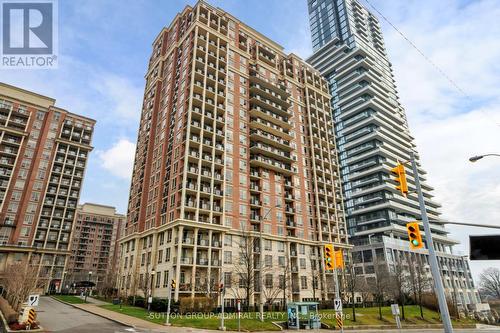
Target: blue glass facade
<point>328,19</point>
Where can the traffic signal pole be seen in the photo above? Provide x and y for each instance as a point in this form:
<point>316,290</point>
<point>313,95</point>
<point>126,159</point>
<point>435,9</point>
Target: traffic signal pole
<point>221,290</point>
<point>438,282</point>
<point>167,321</point>
<point>337,291</point>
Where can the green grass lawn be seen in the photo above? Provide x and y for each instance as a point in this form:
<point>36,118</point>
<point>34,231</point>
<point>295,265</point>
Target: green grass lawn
<point>370,316</point>
<point>69,299</point>
<point>249,321</point>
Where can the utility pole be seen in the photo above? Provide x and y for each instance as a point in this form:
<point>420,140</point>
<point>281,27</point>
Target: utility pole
<point>438,282</point>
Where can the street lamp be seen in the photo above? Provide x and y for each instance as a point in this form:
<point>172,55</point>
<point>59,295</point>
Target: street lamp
<point>150,298</point>
<point>478,157</point>
<point>261,246</point>
<point>88,287</point>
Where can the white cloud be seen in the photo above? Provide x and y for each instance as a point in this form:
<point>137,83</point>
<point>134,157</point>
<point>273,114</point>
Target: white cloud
<point>123,96</point>
<point>118,159</point>
<point>449,127</point>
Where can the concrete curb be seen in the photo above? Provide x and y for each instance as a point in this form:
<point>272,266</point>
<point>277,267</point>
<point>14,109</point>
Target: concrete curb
<point>94,313</point>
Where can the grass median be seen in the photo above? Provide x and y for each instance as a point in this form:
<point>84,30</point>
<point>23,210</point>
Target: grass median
<point>370,316</point>
<point>69,299</point>
<point>250,321</point>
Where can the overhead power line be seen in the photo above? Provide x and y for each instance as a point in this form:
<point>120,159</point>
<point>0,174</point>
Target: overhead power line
<point>433,64</point>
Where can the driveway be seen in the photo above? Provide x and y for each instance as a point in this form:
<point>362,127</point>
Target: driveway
<point>55,316</point>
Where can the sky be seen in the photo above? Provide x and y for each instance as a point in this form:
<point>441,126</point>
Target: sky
<point>104,47</point>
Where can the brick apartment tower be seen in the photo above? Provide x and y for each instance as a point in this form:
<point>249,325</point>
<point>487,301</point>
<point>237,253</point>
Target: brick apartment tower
<point>235,142</point>
<point>94,246</point>
<point>43,155</point>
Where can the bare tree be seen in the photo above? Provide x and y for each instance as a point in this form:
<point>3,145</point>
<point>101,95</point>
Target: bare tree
<point>380,284</point>
<point>20,279</point>
<point>244,273</point>
<point>145,284</point>
<point>399,277</point>
<point>271,290</point>
<point>489,283</point>
<point>108,285</point>
<point>363,288</point>
<point>420,282</point>
<point>285,284</point>
<point>314,277</point>
<point>352,284</point>
<point>134,286</point>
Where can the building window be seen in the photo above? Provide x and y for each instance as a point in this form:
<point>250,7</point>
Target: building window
<point>281,261</point>
<point>160,256</point>
<point>228,257</point>
<point>158,280</point>
<point>303,282</point>
<point>269,280</point>
<point>268,260</point>
<point>228,240</point>
<point>227,279</point>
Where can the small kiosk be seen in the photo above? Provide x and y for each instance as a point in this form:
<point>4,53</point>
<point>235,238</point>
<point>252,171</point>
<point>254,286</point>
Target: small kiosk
<point>303,315</point>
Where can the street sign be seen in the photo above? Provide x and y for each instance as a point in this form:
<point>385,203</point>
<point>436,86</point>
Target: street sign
<point>150,299</point>
<point>395,309</point>
<point>33,300</point>
<point>239,305</point>
<point>337,303</point>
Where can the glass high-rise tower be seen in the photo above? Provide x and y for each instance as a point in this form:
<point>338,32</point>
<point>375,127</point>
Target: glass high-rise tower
<point>372,136</point>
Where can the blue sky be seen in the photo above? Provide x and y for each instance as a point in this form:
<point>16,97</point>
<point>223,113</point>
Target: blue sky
<point>104,48</point>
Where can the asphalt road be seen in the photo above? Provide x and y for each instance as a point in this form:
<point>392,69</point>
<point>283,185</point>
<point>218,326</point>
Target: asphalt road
<point>55,316</point>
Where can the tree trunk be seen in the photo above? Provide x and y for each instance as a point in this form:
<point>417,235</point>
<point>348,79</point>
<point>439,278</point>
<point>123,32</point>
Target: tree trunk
<point>403,306</point>
<point>379,309</point>
<point>420,306</point>
<point>248,298</point>
<point>353,307</point>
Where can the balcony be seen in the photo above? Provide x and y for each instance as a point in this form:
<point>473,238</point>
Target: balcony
<point>268,163</point>
<point>186,261</point>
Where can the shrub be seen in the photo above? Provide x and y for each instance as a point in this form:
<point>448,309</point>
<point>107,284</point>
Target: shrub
<point>429,300</point>
<point>196,304</point>
<point>140,301</point>
<point>159,304</point>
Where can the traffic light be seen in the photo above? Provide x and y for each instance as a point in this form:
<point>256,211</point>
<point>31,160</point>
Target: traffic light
<point>400,173</point>
<point>221,287</point>
<point>172,284</point>
<point>414,235</point>
<point>339,259</point>
<point>328,257</point>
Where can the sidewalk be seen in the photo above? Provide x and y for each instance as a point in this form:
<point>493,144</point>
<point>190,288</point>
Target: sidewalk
<point>93,300</point>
